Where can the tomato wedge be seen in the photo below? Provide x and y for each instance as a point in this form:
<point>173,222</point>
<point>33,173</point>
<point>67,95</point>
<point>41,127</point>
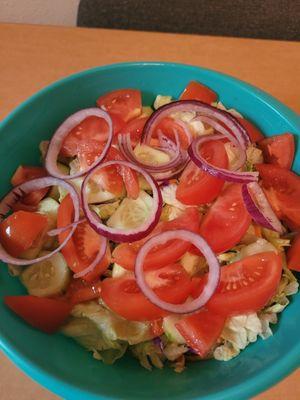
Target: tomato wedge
<point>198,91</point>
<point>245,286</point>
<point>169,127</point>
<point>282,188</point>
<point>83,246</point>
<point>227,220</point>
<point>45,314</point>
<point>201,330</point>
<point>293,254</point>
<point>124,103</point>
<point>279,150</point>
<point>24,174</point>
<point>254,133</point>
<point>198,187</point>
<point>134,128</point>
<point>125,253</point>
<point>80,291</point>
<point>21,231</point>
<point>122,295</point>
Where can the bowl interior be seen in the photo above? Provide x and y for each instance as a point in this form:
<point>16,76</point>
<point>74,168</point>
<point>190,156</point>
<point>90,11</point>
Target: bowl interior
<point>62,365</point>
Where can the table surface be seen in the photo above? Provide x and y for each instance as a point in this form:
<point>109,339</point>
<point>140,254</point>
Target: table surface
<point>32,57</point>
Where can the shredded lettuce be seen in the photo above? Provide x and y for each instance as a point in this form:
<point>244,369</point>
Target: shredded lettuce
<point>254,156</point>
<point>106,210</point>
<point>148,354</point>
<point>232,111</point>
<point>161,100</point>
<point>274,238</point>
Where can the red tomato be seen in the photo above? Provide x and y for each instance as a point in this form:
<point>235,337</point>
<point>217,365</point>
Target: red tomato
<point>282,188</point>
<point>279,150</point>
<point>125,253</point>
<point>201,330</point>
<point>198,91</point>
<point>24,174</point>
<point>245,286</point>
<point>227,220</point>
<point>197,186</point>
<point>135,128</point>
<point>45,314</point>
<point>293,254</point>
<point>168,126</point>
<point>125,103</point>
<point>21,231</point>
<point>122,295</point>
<point>83,246</point>
<point>253,132</point>
<point>156,327</point>
<point>80,291</point>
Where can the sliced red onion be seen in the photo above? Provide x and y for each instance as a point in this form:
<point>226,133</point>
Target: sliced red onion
<point>202,110</point>
<point>63,131</point>
<point>16,193</point>
<point>213,274</point>
<point>96,261</point>
<point>58,231</point>
<point>119,235</point>
<point>225,174</point>
<point>259,208</point>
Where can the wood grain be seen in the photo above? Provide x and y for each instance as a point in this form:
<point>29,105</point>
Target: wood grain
<point>32,57</point>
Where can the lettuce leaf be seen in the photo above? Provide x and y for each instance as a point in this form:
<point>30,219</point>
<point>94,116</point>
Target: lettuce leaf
<point>148,354</point>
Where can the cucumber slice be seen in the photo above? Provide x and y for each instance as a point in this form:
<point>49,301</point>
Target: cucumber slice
<point>161,101</point>
<point>171,331</point>
<point>118,271</point>
<point>55,192</point>
<point>131,213</point>
<point>147,154</point>
<point>47,278</point>
<point>49,207</point>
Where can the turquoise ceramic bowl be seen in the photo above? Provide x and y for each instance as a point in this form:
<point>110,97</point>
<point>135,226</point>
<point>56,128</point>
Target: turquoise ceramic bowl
<point>59,363</point>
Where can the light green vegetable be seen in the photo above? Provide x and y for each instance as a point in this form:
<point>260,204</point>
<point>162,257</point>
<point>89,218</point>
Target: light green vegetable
<point>47,278</point>
<point>131,212</point>
<point>161,100</point>
<point>118,271</point>
<point>104,211</point>
<point>274,238</point>
<point>170,330</point>
<point>150,155</point>
<point>49,207</point>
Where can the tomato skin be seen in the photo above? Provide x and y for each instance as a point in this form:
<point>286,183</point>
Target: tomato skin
<point>24,174</point>
<point>156,327</point>
<point>254,133</point>
<point>168,126</point>
<point>293,254</point>
<point>80,291</point>
<point>282,188</point>
<point>228,214</point>
<point>279,150</point>
<point>42,313</point>
<point>125,253</point>
<point>197,91</point>
<point>201,330</point>
<point>245,286</point>
<point>134,128</point>
<point>82,248</point>
<point>198,187</point>
<point>122,295</point>
<point>125,103</point>
<point>21,231</point>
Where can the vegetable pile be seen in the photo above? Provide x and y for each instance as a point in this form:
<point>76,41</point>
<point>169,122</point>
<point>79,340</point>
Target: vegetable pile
<point>160,231</point>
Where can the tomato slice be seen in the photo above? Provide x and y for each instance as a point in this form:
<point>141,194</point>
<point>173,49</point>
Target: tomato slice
<point>45,314</point>
<point>134,128</point>
<point>125,103</point>
<point>83,246</point>
<point>198,91</point>
<point>80,291</point>
<point>293,254</point>
<point>245,286</point>
<point>282,188</point>
<point>197,186</point>
<point>168,126</point>
<point>24,174</point>
<point>125,253</point>
<point>254,133</point>
<point>122,295</point>
<point>156,327</point>
<point>201,330</point>
<point>227,214</point>
<point>22,230</point>
<point>279,150</point>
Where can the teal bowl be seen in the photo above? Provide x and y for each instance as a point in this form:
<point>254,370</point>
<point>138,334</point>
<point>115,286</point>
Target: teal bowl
<point>59,363</point>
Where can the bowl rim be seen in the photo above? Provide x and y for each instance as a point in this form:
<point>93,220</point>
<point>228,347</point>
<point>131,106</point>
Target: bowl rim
<point>249,387</point>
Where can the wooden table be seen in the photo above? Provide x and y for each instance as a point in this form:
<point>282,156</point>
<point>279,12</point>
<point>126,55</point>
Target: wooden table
<point>31,57</point>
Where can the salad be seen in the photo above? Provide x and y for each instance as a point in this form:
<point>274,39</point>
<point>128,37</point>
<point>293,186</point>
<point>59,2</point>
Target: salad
<point>170,231</point>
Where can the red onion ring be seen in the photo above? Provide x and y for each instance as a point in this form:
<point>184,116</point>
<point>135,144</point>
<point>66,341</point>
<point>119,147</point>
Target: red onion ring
<point>259,208</point>
<point>225,174</point>
<point>213,274</point>
<point>203,110</point>
<point>27,187</point>
<point>96,261</point>
<point>62,132</point>
<point>118,235</point>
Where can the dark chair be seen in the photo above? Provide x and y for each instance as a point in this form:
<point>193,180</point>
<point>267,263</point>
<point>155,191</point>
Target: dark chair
<point>267,19</point>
